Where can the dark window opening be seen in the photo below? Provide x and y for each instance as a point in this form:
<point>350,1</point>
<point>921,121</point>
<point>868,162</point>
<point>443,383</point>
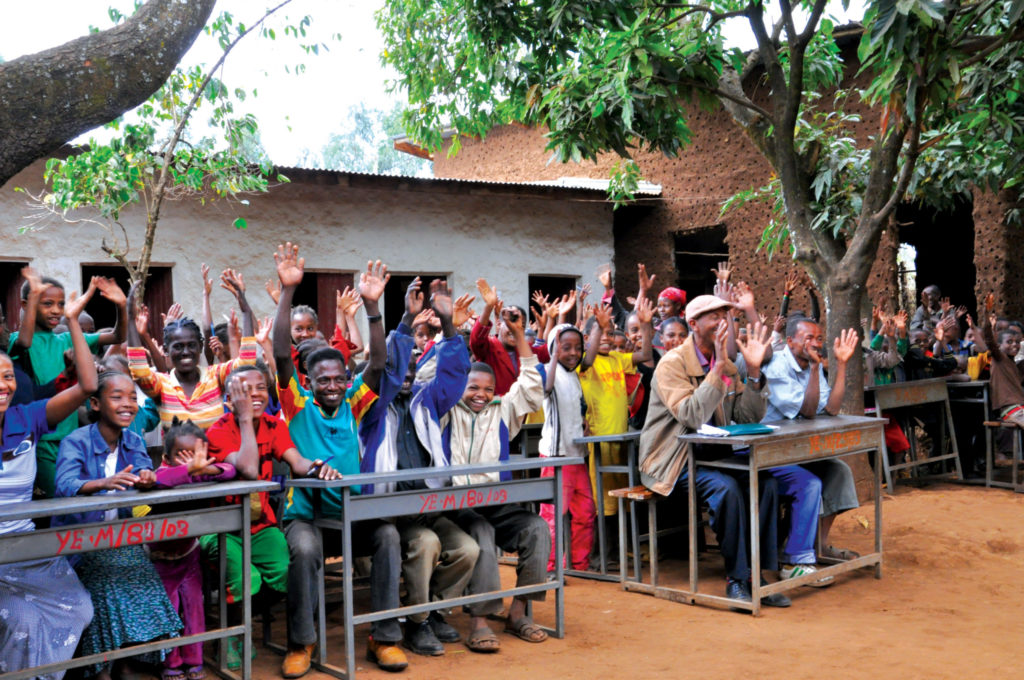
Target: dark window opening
<point>10,280</point>
<point>394,295</point>
<point>554,287</point>
<point>697,252</point>
<point>944,245</point>
<point>159,295</point>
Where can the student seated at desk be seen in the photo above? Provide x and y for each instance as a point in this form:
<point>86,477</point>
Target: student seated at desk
<point>46,607</point>
<point>324,418</point>
<point>1007,382</point>
<point>797,387</point>
<point>694,384</point>
<point>478,430</point>
<point>129,601</point>
<point>249,439</point>
<point>401,431</point>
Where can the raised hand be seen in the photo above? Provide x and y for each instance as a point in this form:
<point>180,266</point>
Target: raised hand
<point>970,321</point>
<point>845,345</point>
<point>744,295</point>
<point>273,289</point>
<point>290,267</point>
<point>462,311</point>
<point>604,276</point>
<point>426,316</point>
<point>960,311</point>
<point>232,281</point>
<point>901,320</point>
<point>234,330</point>
<point>990,303</point>
<point>540,299</point>
<point>142,320</point>
<point>754,345</point>
<point>216,346</point>
<point>603,312</point>
<point>945,305</point>
<point>587,289</point>
<point>109,289</point>
<point>174,312</point>
<point>567,303</point>
<point>488,293</point>
<point>441,299</point>
<point>513,321</point>
<point>200,458</point>
<point>780,324</point>
<point>790,282</point>
<point>644,282</point>
<point>263,329</point>
<point>373,281</point>
<point>940,332</point>
<point>723,272</point>
<point>35,282</point>
<point>414,297</point>
<point>207,281</point>
<point>644,309</point>
<point>348,301</point>
<point>76,304</point>
<point>724,290</point>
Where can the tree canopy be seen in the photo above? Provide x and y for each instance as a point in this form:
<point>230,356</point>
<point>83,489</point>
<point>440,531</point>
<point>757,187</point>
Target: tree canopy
<point>613,76</point>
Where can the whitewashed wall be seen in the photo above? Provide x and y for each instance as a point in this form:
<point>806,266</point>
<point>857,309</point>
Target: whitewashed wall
<point>464,230</point>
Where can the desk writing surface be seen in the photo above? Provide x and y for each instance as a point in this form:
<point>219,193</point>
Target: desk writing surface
<point>108,501</point>
<point>600,438</point>
<point>789,429</point>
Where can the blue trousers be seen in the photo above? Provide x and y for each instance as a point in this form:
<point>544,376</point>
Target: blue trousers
<point>724,492</point>
<point>802,489</point>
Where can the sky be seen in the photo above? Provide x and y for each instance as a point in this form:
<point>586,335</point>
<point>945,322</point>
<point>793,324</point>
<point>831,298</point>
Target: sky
<point>295,112</point>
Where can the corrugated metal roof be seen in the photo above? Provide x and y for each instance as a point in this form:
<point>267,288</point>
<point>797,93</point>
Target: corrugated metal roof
<point>568,183</point>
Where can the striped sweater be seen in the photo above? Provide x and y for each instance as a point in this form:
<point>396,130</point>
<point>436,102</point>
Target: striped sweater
<point>206,405</point>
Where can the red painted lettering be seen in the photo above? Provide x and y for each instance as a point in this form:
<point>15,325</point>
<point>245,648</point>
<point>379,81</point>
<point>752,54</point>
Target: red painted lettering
<point>449,502</point>
<point>63,537</point>
<point>427,501</point>
<point>76,542</point>
<point>104,534</point>
<point>182,527</point>
<point>134,533</point>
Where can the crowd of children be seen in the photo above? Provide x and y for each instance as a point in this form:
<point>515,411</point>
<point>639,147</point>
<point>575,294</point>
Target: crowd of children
<point>445,387</point>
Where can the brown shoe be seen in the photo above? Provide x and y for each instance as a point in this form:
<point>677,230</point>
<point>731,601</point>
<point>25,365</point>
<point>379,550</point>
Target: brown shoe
<point>297,661</point>
<point>387,655</point>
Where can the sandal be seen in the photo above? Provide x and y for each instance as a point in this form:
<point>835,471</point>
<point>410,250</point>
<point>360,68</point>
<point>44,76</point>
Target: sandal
<point>525,629</point>
<point>172,674</point>
<point>483,640</point>
<point>196,673</point>
<point>835,553</point>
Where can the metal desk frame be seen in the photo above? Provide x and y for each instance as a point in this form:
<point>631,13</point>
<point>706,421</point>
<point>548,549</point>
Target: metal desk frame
<point>916,393</point>
<point>794,442</point>
<point>356,507</point>
<point>631,441</point>
<point>985,402</point>
<point>78,538</point>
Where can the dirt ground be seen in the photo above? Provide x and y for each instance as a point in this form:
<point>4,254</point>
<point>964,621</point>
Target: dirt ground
<point>948,606</point>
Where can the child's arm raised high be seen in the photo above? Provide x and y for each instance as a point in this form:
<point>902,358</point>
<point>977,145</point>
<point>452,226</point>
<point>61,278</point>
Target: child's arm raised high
<point>67,402</point>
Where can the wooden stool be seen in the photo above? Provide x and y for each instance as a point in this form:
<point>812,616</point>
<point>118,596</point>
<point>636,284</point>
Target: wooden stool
<point>637,494</point>
<point>1016,465</point>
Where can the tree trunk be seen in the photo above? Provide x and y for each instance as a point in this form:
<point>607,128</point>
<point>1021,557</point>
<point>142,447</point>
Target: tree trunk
<point>53,96</point>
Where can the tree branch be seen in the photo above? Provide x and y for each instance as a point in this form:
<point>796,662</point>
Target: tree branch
<point>53,96</point>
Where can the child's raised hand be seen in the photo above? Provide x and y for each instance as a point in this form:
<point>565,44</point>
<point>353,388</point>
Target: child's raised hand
<point>567,303</point>
<point>604,276</point>
<point>142,320</point>
<point>109,289</point>
<point>513,320</point>
<point>373,281</point>
<point>744,295</point>
<point>232,281</point>
<point>35,282</point>
<point>723,272</point>
<point>199,459</point>
<point>174,313</point>
<point>960,311</point>
<point>540,299</point>
<point>204,269</point>
<point>348,301</point>
<point>644,282</point>
<point>789,283</point>
<point>441,299</point>
<point>780,324</point>
<point>216,346</point>
<point>273,289</point>
<point>427,317</point>
<point>945,305</point>
<point>644,309</point>
<point>263,329</point>
<point>121,480</point>
<point>603,312</point>
<point>901,320</point>
<point>488,293</point>
<point>970,321</point>
<point>414,297</point>
<point>76,303</point>
<point>462,311</point>
<point>290,266</point>
<point>234,329</point>
<point>585,291</point>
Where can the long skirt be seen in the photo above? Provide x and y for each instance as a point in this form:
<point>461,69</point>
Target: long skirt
<point>43,609</point>
<point>131,605</point>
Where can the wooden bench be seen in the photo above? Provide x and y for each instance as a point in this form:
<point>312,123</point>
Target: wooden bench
<point>1016,465</point>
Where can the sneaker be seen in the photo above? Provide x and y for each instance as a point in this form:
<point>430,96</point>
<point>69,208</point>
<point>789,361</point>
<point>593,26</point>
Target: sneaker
<point>794,570</point>
<point>420,639</point>
<point>775,599</point>
<point>443,630</point>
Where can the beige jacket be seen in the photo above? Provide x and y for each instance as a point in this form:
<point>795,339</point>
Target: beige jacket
<point>483,437</point>
<point>681,401</point>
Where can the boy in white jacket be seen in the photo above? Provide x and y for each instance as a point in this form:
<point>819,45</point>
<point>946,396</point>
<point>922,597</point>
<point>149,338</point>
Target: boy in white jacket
<point>478,430</point>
